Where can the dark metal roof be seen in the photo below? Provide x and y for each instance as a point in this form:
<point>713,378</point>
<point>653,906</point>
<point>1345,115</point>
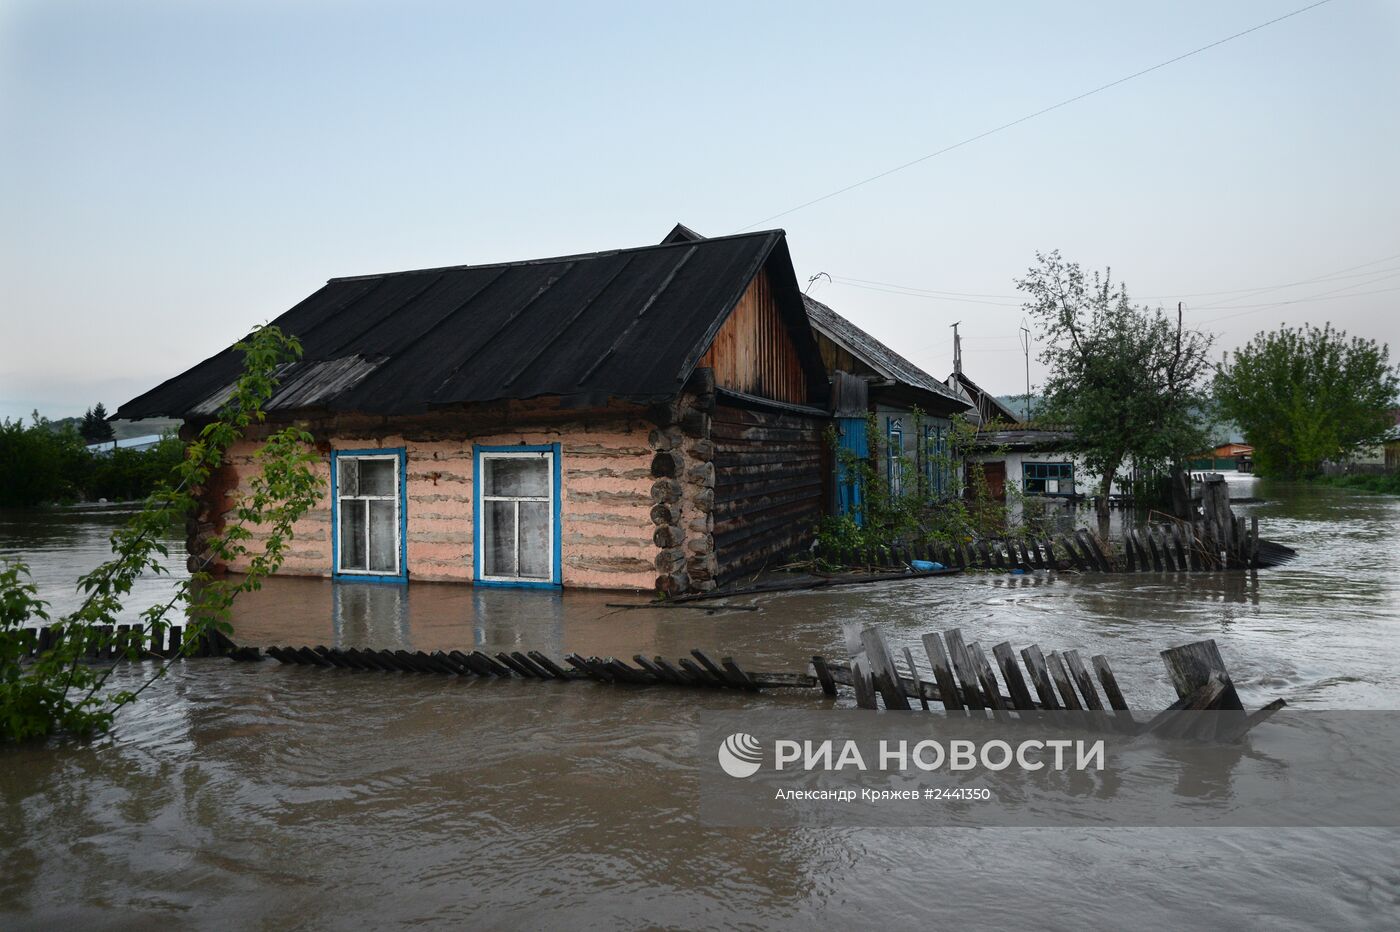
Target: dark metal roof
<point>989,406</point>
<point>871,351</point>
<point>628,323</point>
<point>1022,439</point>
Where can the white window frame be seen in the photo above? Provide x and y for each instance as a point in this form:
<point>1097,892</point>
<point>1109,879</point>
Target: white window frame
<point>396,498</point>
<point>547,457</point>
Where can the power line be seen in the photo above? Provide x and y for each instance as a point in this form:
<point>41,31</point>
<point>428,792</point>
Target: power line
<point>914,291</point>
<point>1357,294</point>
<point>1031,116</point>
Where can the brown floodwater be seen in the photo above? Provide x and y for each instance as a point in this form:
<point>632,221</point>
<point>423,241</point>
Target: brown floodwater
<point>294,797</point>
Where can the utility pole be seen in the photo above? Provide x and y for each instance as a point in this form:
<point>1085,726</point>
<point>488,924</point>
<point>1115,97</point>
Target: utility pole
<point>1026,348</point>
<point>957,351</point>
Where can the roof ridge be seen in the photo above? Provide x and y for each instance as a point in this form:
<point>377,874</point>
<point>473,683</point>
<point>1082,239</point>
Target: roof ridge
<point>574,257</point>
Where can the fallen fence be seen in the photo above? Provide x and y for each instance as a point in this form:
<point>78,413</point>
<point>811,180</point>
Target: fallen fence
<point>962,678</point>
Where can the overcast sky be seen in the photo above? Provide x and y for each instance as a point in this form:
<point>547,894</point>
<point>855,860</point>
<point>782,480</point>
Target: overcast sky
<point>172,173</point>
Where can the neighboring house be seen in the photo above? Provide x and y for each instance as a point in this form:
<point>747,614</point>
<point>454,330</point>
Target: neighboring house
<point>138,444</point>
<point>633,418</point>
<point>1037,462</point>
<point>870,378</point>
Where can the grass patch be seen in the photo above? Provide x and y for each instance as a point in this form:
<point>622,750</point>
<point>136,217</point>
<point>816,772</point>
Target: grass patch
<point>1388,483</point>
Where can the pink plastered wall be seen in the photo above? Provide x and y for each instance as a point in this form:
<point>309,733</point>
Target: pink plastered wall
<point>605,491</point>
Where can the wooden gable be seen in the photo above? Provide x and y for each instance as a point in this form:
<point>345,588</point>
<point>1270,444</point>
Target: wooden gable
<point>753,351</point>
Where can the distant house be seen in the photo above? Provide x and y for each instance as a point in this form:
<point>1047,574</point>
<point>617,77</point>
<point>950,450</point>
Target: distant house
<point>137,444</point>
<point>912,409</point>
<point>1227,456</point>
<point>633,418</point>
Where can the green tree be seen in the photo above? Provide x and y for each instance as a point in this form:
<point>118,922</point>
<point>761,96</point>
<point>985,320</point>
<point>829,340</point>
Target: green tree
<point>1306,395</point>
<point>1128,381</point>
<point>95,428</point>
<point>57,691</point>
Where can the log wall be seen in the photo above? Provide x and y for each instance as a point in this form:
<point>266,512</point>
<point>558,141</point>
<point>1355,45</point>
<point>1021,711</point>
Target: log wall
<point>753,352</point>
<point>606,487</point>
<point>768,486</point>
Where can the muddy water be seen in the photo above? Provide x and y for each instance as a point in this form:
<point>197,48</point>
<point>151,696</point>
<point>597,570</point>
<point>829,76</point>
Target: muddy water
<point>301,798</point>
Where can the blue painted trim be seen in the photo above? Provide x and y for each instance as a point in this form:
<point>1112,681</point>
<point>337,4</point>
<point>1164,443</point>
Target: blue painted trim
<point>556,558</point>
<point>336,574</point>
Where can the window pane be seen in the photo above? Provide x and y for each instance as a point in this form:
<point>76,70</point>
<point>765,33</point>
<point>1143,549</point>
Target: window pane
<point>347,470</point>
<point>535,557</point>
<point>498,538</point>
<point>352,535</point>
<point>383,553</point>
<point>513,475</point>
<point>377,477</point>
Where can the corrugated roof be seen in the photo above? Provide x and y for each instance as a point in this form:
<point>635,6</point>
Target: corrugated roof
<point>871,351</point>
<point>627,323</point>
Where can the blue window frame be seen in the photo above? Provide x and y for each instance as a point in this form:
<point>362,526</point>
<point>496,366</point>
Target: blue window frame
<point>369,515</point>
<point>1048,478</point>
<point>894,451</point>
<point>515,515</point>
<point>935,460</point>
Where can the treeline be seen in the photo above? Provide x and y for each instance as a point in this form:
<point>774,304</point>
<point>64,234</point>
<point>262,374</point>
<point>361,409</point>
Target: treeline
<point>46,463</point>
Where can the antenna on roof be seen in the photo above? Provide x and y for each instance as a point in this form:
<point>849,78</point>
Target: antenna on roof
<point>957,350</point>
<point>814,278</point>
<point>1026,348</point>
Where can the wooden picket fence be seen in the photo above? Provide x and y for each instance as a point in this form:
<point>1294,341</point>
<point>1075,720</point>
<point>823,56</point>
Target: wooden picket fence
<point>1167,546</point>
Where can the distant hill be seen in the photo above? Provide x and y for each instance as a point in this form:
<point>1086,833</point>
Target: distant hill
<point>126,429</point>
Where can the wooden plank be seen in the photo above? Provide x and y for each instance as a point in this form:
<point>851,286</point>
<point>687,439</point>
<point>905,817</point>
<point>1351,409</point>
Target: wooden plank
<point>472,663</point>
<point>711,667</point>
<point>588,668</point>
<point>681,677</point>
<point>627,674</point>
<point>549,666</point>
<point>537,671</point>
<point>823,675</point>
<point>860,681</point>
<point>1074,556</point>
<point>1152,549</point>
<point>515,666</point>
<point>1061,679</point>
<point>986,678</point>
<point>496,669</point>
<point>1191,665</point>
<point>1237,731</point>
<point>331,657</point>
<point>1051,561</point>
<point>914,675</point>
<point>882,666</point>
<point>1176,720</point>
<point>1095,552</point>
<point>942,672</point>
<point>309,656</point>
<point>1110,683</point>
<point>660,675</point>
<point>1015,682</point>
<point>1083,679</point>
<point>967,672</point>
<point>700,675</point>
<point>451,664</point>
<point>1181,561</point>
<point>737,676</point>
<point>438,661</point>
<point>1040,676</point>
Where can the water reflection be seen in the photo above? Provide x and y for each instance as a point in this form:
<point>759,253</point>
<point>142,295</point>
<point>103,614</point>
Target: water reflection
<point>363,613</point>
